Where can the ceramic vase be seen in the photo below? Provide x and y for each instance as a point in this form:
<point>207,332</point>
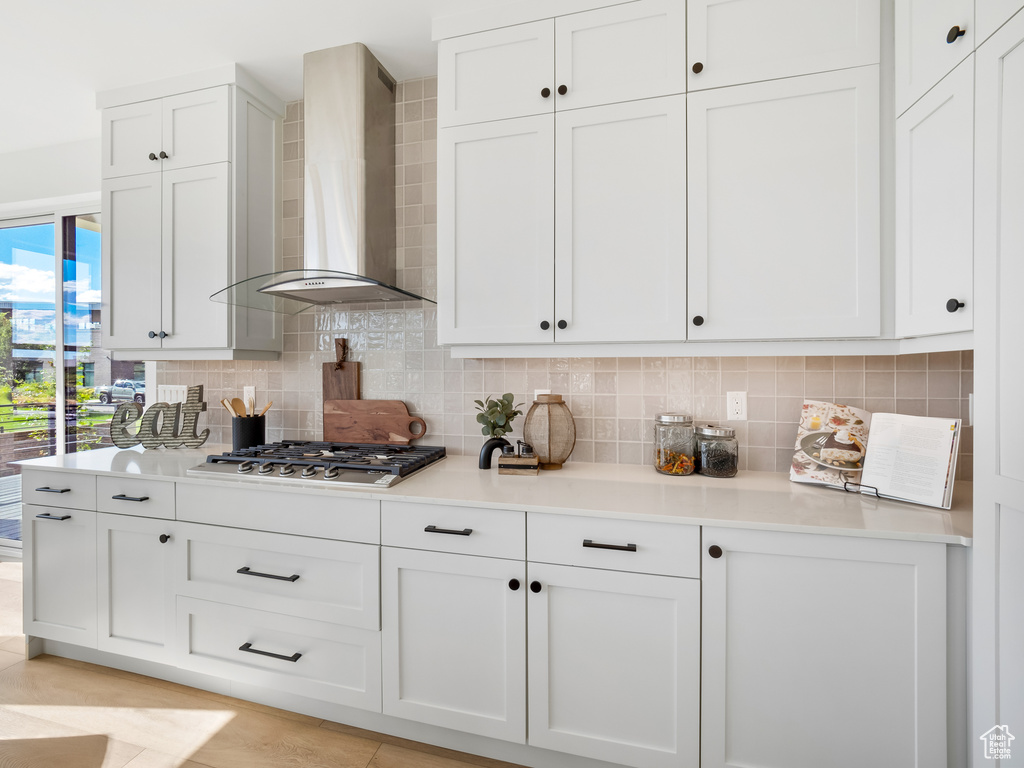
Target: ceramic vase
<point>550,429</point>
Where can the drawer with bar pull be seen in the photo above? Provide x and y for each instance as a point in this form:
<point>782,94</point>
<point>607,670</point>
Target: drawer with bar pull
<point>142,497</point>
<point>618,545</point>
<point>448,528</point>
<point>72,490</point>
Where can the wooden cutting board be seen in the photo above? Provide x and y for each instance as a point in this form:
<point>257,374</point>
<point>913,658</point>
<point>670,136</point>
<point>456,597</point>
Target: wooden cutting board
<point>370,421</point>
<point>343,383</point>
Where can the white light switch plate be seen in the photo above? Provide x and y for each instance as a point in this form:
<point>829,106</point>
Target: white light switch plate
<point>735,406</point>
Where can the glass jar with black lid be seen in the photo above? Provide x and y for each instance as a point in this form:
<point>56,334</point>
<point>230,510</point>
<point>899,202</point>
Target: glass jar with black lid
<point>718,453</point>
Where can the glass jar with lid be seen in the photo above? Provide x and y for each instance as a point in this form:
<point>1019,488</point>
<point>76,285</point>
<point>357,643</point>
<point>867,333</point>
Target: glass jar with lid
<point>718,453</point>
<point>674,443</point>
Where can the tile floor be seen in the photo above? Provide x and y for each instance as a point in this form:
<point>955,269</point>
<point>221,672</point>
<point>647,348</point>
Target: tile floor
<point>59,713</point>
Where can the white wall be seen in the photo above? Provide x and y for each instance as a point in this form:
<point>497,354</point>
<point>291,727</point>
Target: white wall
<point>58,171</point>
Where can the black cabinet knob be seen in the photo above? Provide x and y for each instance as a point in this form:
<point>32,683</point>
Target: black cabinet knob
<point>953,305</point>
<point>715,551</point>
<point>562,90</point>
<point>697,67</point>
<point>164,334</point>
<point>544,325</point>
<point>562,324</point>
<point>152,156</point>
<point>164,538</point>
<point>513,584</point>
<point>163,155</point>
<point>954,33</point>
<point>535,586</point>
<point>545,92</point>
<point>152,334</point>
<point>698,320</point>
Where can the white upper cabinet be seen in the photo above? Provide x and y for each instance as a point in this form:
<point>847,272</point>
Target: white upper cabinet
<point>991,14</point>
<point>935,207</point>
<point>783,208</point>
<point>741,41</point>
<point>163,134</point>
<point>932,37</point>
<point>623,52</point>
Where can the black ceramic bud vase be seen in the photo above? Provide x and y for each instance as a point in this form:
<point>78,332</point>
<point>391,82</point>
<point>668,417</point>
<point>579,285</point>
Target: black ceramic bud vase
<point>488,450</point>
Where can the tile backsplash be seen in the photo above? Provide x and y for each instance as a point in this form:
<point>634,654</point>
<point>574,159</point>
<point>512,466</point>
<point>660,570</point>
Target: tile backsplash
<point>613,400</point>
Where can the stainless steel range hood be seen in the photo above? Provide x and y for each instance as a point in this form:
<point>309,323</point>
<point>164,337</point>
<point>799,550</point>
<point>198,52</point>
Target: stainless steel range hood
<point>349,192</point>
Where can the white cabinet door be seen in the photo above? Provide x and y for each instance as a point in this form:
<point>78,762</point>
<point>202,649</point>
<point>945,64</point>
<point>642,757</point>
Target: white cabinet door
<point>998,598</point>
<point>741,41</point>
<point>496,74</point>
<point>615,665</point>
<point>59,547</point>
<point>924,53</point>
<point>822,650</point>
<point>620,53</point>
<point>131,261</point>
<point>131,139</point>
<point>135,557</point>
<point>197,128</point>
<point>935,209</point>
<point>495,250</point>
<point>196,248</point>
<point>454,641</point>
<point>783,204</point>
<point>620,247</point>
<point>989,15</point>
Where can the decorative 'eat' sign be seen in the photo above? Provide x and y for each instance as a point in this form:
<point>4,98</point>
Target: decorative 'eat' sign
<point>159,425</point>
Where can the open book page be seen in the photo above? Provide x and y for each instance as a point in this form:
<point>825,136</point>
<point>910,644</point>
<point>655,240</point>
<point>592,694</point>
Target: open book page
<point>831,441</point>
<point>913,458</point>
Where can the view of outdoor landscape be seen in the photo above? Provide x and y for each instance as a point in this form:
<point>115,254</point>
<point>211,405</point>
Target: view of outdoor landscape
<point>92,385</point>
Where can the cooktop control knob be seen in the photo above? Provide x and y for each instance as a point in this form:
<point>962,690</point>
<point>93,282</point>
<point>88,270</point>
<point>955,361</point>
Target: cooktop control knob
<point>287,470</point>
<point>309,471</point>
<point>245,466</point>
<point>331,472</point>
<point>266,469</point>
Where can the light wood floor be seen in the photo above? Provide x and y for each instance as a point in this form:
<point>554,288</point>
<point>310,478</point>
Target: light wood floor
<point>58,713</point>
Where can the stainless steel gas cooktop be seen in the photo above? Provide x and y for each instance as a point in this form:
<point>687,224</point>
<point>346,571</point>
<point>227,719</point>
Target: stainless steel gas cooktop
<point>321,463</point>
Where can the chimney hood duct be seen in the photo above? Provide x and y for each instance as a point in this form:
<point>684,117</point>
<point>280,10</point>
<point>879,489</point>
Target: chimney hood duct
<point>349,192</point>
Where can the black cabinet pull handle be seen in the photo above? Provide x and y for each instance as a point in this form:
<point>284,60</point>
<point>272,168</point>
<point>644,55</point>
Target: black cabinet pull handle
<point>544,325</point>
<point>245,571</point>
<point>619,547</point>
<point>164,155</point>
<point>247,647</point>
<point>545,92</point>
<point>47,489</point>
<point>48,516</point>
<point>513,584</point>
<point>715,551</point>
<point>954,33</point>
<point>164,538</point>
<point>562,90</point>
<point>697,67</point>
<point>535,587</point>
<point>435,529</point>
<point>562,325</point>
<point>698,320</point>
<point>953,305</point>
<point>122,497</point>
<point>152,156</point>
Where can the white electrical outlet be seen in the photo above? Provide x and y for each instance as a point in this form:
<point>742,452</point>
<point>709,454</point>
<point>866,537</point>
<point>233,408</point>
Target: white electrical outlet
<point>735,406</point>
<point>247,394</point>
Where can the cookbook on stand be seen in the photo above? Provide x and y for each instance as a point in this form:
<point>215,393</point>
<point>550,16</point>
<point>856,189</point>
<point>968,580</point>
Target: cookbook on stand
<point>890,455</point>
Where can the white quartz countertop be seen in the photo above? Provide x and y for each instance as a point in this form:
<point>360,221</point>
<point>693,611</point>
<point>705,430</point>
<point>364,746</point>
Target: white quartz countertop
<point>761,500</point>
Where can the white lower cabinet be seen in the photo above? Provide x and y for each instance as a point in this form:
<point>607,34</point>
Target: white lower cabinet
<point>822,650</point>
<point>59,553</point>
<point>135,585</point>
<point>614,665</point>
<point>454,641</point>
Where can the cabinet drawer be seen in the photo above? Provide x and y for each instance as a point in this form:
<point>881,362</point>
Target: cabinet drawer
<point>54,488</point>
<point>618,545</point>
<point>333,581</point>
<point>324,515</point>
<point>135,496</point>
<point>463,530</point>
<point>308,658</point>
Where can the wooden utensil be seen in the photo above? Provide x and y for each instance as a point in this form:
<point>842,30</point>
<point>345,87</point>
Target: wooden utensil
<point>226,404</point>
<point>238,405</point>
<point>266,407</point>
<point>250,407</point>
<point>370,421</point>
